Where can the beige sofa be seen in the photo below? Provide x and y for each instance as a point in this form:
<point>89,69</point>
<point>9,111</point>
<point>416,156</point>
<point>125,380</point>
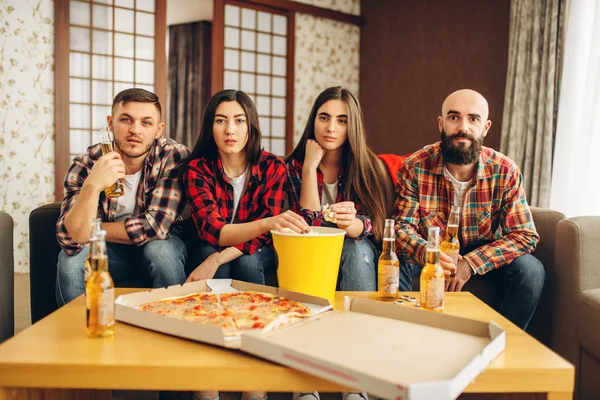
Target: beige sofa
<point>576,333</point>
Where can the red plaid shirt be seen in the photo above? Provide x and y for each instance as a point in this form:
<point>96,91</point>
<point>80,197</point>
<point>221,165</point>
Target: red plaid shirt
<point>315,218</point>
<point>496,221</point>
<point>158,201</point>
<point>210,194</point>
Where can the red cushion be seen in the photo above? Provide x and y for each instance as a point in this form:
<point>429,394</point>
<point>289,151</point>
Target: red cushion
<point>393,163</point>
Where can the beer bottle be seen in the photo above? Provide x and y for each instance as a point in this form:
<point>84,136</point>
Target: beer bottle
<point>450,244</point>
<point>100,291</point>
<point>388,268</point>
<point>107,143</point>
<point>88,266</point>
<point>432,275</point>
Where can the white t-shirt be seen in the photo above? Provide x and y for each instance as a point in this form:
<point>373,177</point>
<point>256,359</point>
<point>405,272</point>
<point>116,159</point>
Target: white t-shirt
<point>460,188</point>
<point>126,203</point>
<point>238,188</point>
<point>329,193</point>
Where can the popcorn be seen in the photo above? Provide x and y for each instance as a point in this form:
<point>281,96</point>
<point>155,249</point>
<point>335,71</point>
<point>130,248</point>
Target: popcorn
<point>329,214</point>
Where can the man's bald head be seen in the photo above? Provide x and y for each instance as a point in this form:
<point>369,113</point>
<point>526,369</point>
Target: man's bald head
<point>466,100</point>
<point>463,125</point>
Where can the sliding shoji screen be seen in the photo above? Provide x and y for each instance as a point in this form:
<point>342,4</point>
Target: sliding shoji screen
<point>256,60</point>
<point>103,47</point>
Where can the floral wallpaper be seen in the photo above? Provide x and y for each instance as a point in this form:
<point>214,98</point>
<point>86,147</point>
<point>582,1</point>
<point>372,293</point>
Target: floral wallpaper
<point>327,54</point>
<point>26,114</point>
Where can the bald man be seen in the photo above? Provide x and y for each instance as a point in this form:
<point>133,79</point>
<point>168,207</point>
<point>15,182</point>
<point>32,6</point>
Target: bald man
<point>496,232</point>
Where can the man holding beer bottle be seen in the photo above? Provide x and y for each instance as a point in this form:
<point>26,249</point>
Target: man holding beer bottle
<point>495,227</point>
<point>134,188</point>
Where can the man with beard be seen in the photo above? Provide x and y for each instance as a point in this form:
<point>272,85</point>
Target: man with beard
<point>141,224</point>
<point>496,230</point>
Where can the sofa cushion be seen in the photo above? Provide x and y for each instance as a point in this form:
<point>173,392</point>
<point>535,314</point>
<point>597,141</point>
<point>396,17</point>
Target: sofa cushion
<point>589,321</point>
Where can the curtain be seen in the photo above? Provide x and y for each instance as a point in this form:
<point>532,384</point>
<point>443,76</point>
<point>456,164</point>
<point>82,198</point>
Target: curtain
<point>531,96</point>
<point>575,179</point>
<point>189,79</point>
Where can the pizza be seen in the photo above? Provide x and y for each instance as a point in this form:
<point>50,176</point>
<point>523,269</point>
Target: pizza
<point>234,312</point>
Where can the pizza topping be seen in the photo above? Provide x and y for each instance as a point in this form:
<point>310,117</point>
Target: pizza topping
<point>232,312</point>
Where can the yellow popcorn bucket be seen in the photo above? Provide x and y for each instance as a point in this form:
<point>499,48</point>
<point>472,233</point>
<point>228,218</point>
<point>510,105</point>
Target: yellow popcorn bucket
<point>309,263</point>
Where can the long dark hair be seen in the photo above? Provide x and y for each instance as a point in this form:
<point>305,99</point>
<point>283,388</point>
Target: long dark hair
<point>206,146</point>
<point>366,174</point>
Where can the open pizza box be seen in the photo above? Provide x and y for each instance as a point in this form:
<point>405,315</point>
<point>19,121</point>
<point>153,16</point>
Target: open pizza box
<point>388,350</point>
<point>126,309</point>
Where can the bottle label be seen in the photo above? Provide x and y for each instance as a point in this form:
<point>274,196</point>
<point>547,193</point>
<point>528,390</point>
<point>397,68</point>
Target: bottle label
<point>435,294</point>
<point>389,276</point>
<point>106,307</point>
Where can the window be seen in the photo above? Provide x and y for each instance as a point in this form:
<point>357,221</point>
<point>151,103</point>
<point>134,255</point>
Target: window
<point>112,45</point>
<point>256,59</point>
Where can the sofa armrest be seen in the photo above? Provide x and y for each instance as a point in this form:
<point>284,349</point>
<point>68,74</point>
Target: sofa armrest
<point>43,256</point>
<point>577,253</point>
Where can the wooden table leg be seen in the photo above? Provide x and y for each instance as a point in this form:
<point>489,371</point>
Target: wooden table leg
<point>53,394</point>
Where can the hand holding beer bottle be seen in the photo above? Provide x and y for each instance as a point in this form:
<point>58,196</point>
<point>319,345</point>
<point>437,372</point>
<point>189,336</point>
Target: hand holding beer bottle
<point>450,244</point>
<point>107,142</point>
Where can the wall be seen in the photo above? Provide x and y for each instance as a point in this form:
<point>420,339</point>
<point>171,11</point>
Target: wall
<point>415,53</point>
<point>184,11</point>
<point>26,114</point>
<point>327,54</point>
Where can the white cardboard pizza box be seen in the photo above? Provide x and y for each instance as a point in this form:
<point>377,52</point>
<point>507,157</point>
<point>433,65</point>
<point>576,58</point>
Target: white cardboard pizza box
<point>126,309</point>
<point>388,350</point>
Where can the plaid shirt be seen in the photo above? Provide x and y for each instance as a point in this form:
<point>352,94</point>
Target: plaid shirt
<point>496,222</point>
<point>315,218</point>
<point>158,202</point>
<point>210,194</point>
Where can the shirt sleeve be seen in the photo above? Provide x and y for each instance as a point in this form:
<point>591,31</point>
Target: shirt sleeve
<point>166,202</point>
<point>294,175</point>
<point>409,243</point>
<point>74,179</point>
<point>273,199</point>
<point>199,184</point>
<point>367,227</point>
<point>519,235</point>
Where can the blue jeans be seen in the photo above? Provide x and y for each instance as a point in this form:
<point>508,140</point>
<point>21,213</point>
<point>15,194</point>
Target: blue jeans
<point>159,261</point>
<point>521,281</point>
<point>358,266</point>
<point>247,267</point>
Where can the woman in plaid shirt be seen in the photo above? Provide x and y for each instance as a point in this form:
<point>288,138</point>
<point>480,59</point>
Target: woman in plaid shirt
<point>236,192</point>
<point>333,165</point>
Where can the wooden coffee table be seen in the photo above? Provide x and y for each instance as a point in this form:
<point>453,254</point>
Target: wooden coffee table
<point>56,354</point>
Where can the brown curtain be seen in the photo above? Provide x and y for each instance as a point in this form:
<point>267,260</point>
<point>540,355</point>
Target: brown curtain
<point>532,86</point>
<point>189,79</point>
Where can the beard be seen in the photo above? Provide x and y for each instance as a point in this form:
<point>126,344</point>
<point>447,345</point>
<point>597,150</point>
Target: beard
<point>131,154</point>
<point>460,154</point>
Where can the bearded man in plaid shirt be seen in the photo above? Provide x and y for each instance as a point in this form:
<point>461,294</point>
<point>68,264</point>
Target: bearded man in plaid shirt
<point>140,225</point>
<point>496,230</point>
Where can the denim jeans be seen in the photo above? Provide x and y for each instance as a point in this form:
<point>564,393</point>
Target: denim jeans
<point>521,281</point>
<point>161,261</point>
<point>358,266</point>
<point>247,267</point>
